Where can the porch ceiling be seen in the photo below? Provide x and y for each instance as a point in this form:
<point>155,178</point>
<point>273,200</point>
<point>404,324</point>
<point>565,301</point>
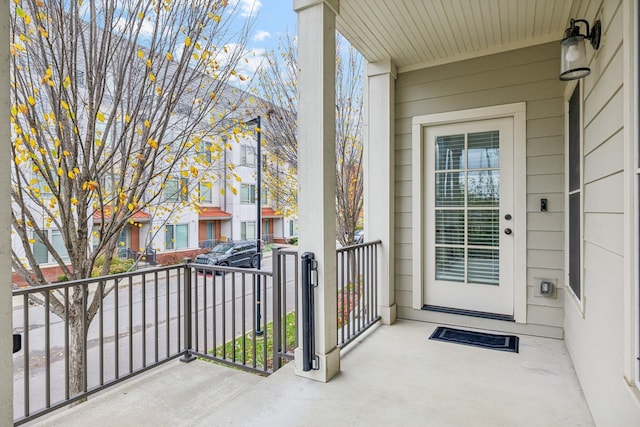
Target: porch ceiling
<point>418,34</point>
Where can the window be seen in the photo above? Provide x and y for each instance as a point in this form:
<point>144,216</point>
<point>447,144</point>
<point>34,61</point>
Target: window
<point>293,227</point>
<point>42,187</point>
<point>247,156</point>
<point>176,236</point>
<point>40,251</point>
<point>204,151</point>
<point>264,196</point>
<point>575,191</point>
<point>247,230</point>
<point>205,192</point>
<point>211,230</point>
<point>175,190</point>
<point>247,193</point>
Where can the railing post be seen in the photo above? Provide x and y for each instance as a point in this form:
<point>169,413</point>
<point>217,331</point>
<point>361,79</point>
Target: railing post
<point>188,318</point>
<point>309,359</point>
<point>278,313</point>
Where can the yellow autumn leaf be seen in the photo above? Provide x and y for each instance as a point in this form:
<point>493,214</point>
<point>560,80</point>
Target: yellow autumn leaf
<point>187,41</point>
<point>74,201</point>
<point>152,77</point>
<point>100,116</point>
<point>127,118</point>
<point>64,105</point>
<point>147,123</point>
<point>32,241</point>
<point>60,172</point>
<point>169,56</point>
<point>140,54</point>
<point>130,206</point>
<point>140,15</point>
<point>149,63</point>
<point>234,191</point>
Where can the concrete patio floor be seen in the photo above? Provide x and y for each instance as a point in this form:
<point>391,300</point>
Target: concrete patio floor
<point>392,376</point>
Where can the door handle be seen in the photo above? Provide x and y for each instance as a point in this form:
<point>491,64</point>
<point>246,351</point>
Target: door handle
<point>507,231</point>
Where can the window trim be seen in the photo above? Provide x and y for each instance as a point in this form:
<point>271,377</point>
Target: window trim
<point>251,193</point>
<point>174,241</point>
<point>49,233</point>
<point>179,195</point>
<point>243,230</point>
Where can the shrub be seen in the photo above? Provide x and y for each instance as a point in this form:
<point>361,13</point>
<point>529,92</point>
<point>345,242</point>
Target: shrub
<point>118,265</point>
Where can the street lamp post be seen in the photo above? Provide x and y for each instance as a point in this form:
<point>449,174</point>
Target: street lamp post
<point>256,122</point>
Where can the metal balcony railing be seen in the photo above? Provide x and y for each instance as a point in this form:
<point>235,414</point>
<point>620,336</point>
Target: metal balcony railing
<point>82,336</point>
<point>357,284</point>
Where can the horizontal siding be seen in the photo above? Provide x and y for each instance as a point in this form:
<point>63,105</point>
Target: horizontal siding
<point>606,124</point>
<point>605,160</point>
<point>605,195</point>
<point>529,75</point>
<point>545,146</point>
<point>596,337</point>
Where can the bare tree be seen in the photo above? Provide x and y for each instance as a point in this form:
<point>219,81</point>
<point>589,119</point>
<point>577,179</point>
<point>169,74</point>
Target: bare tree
<point>349,102</point>
<point>110,101</point>
<point>278,91</point>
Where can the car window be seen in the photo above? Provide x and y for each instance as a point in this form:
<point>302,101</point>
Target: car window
<point>222,248</point>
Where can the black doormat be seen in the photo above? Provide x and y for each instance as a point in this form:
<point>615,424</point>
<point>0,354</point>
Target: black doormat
<point>476,339</point>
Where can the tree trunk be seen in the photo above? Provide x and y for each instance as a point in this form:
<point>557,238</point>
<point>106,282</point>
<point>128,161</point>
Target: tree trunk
<point>77,346</point>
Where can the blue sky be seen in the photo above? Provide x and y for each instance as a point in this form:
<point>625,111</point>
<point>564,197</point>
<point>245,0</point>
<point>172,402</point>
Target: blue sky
<point>274,18</point>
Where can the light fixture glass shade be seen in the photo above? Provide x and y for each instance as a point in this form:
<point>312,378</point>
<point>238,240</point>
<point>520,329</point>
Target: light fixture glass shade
<point>573,58</point>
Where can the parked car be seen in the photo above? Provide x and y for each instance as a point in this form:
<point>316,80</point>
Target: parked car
<point>358,236</point>
<point>231,254</point>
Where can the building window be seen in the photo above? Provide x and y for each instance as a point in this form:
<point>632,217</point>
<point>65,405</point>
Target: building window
<point>247,156</point>
<point>175,190</point>
<point>40,251</point>
<point>205,192</point>
<point>293,227</point>
<point>248,230</point>
<point>204,151</point>
<point>575,193</point>
<point>176,236</point>
<point>247,193</point>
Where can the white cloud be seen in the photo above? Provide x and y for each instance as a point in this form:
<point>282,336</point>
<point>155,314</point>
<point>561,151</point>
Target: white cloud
<point>261,36</point>
<point>247,7</point>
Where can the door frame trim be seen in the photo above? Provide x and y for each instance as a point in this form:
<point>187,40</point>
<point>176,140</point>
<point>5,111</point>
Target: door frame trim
<point>517,111</point>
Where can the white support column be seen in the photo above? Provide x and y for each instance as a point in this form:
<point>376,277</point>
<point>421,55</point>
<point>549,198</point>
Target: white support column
<point>317,171</point>
<point>379,179</point>
<point>6,343</point>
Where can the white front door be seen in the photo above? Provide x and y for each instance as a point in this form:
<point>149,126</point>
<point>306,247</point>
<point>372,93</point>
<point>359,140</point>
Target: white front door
<point>469,216</point>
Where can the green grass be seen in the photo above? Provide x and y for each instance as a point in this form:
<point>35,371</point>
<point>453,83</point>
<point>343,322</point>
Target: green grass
<point>244,345</point>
